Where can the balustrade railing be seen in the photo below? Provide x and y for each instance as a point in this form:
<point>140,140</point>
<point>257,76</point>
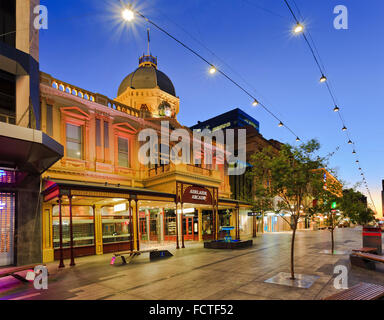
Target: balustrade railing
<point>90,96</point>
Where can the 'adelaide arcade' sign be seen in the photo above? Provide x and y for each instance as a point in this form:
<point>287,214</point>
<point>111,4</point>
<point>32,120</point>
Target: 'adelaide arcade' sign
<point>197,195</point>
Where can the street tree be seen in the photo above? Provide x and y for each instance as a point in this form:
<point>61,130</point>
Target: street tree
<point>327,202</point>
<point>354,204</point>
<point>292,176</point>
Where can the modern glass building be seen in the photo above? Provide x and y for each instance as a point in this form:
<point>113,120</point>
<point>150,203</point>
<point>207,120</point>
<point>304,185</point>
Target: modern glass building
<point>25,151</point>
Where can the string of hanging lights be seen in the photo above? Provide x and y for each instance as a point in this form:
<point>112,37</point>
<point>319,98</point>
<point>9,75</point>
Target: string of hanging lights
<point>129,13</point>
<point>300,29</point>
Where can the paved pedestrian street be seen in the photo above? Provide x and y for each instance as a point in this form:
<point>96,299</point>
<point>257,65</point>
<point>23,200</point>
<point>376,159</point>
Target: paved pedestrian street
<point>198,273</point>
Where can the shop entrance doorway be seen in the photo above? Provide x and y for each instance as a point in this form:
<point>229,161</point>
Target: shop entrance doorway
<point>7,227</point>
<point>191,227</point>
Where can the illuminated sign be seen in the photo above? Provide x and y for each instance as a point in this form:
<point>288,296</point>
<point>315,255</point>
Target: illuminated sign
<point>187,210</point>
<point>120,207</point>
<point>197,195</point>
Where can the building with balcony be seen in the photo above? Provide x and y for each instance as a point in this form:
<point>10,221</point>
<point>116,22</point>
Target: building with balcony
<point>99,198</point>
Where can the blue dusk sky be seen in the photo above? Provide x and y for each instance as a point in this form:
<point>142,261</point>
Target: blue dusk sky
<point>87,45</point>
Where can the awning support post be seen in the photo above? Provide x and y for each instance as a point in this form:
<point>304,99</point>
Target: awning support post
<point>61,265</point>
<point>72,264</point>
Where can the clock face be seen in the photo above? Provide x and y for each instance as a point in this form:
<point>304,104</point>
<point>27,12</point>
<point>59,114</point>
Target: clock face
<point>165,110</point>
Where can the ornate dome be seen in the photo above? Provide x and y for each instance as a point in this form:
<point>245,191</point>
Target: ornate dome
<point>147,77</point>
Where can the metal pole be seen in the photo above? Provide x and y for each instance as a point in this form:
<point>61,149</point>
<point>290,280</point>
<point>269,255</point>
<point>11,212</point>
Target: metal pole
<point>61,265</point>
<point>177,229</point>
<point>182,226</point>
<point>238,223</point>
<point>217,222</point>
<point>131,240</point>
<point>137,225</point>
<point>72,264</point>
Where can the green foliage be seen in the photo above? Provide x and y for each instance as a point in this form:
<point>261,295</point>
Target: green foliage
<point>328,204</point>
<point>291,176</point>
<point>354,205</point>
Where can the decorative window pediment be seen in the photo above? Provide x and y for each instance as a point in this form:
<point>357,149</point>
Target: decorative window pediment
<point>75,112</point>
<point>125,127</point>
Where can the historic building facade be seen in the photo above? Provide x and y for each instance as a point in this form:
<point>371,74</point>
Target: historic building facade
<point>99,198</point>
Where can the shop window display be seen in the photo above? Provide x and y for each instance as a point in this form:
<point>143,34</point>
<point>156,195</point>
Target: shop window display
<point>116,223</point>
<point>207,227</point>
<point>83,226</point>
<point>170,223</point>
<point>154,225</point>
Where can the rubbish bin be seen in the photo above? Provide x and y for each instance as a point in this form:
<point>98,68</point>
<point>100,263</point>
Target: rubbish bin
<point>372,238</point>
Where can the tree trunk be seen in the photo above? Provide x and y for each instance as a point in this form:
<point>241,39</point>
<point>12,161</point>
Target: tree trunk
<point>293,252</point>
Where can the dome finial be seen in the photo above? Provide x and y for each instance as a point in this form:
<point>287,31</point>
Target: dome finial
<point>148,60</point>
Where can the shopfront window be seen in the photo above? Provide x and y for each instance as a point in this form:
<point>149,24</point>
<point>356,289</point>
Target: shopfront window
<point>207,222</point>
<point>143,225</point>
<point>116,223</point>
<point>154,225</point>
<point>170,223</point>
<point>74,141</point>
<point>83,226</point>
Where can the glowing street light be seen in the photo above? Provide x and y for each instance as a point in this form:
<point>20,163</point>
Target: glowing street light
<point>298,139</point>
<point>299,28</point>
<point>350,142</point>
<point>212,70</point>
<point>128,15</point>
<point>281,124</point>
<point>255,103</point>
<point>323,78</point>
<point>344,128</point>
<point>336,109</point>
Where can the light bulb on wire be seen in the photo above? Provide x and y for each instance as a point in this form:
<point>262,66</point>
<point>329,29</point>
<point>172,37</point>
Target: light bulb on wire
<point>299,28</point>
<point>323,78</point>
<point>128,14</point>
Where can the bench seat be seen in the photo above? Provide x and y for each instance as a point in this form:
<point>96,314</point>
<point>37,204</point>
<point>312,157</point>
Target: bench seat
<point>361,291</point>
<point>370,256</point>
<point>366,250</point>
<point>11,272</point>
